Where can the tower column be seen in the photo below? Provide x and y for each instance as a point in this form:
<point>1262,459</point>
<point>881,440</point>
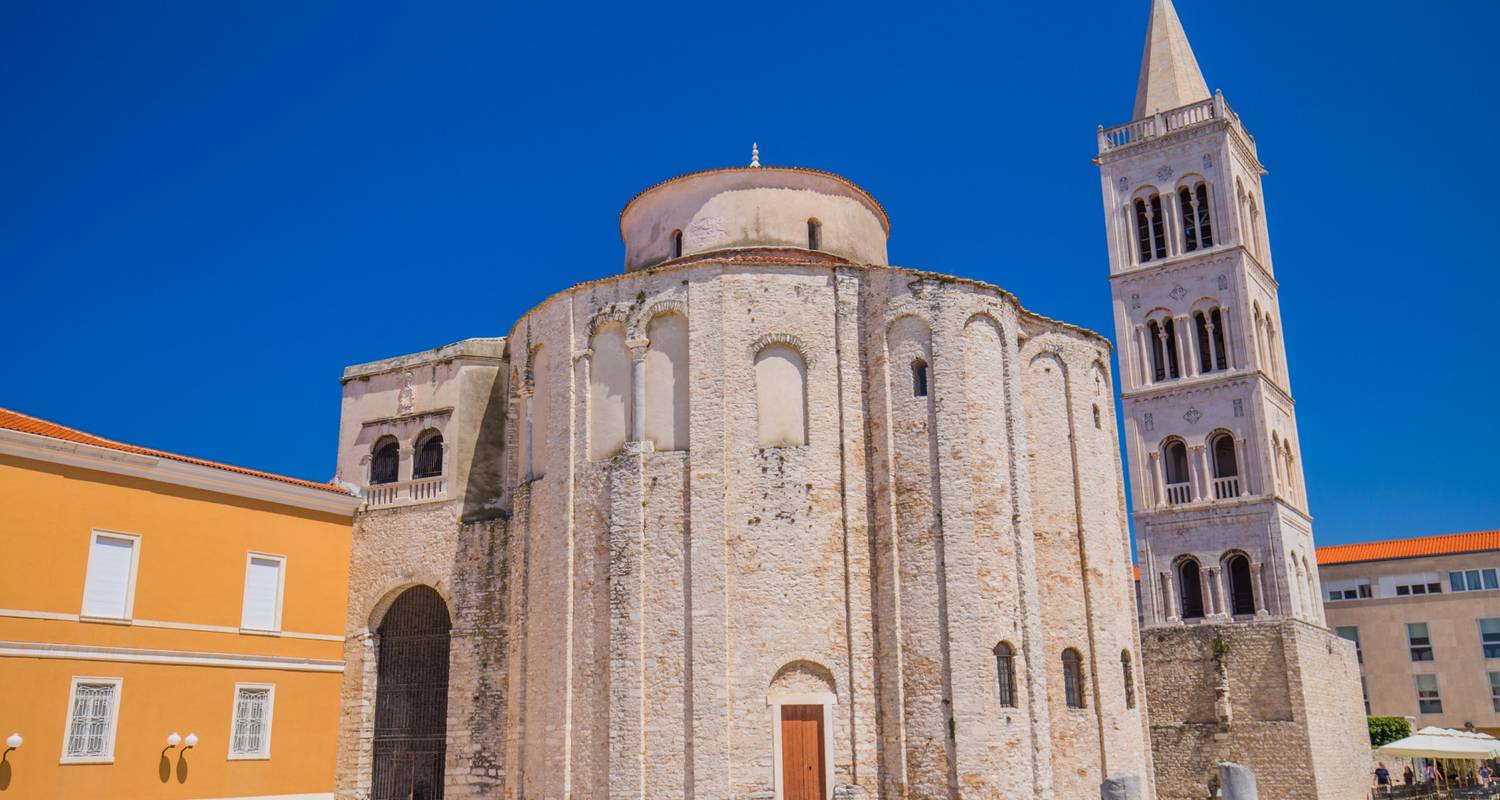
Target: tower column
<point>1194,359</point>
<point>1184,333</point>
<point>1144,368</point>
<point>1169,596</point>
<point>1239,466</point>
<point>1172,221</point>
<point>1204,482</point>
<point>637,389</point>
<point>1159,480</point>
<point>1260,593</point>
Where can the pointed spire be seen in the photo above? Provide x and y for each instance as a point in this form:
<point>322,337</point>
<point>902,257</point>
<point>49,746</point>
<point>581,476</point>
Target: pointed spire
<point>754,155</point>
<point>1170,77</point>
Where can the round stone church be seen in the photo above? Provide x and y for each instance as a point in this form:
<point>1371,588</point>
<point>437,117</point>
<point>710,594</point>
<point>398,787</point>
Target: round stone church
<point>761,517</point>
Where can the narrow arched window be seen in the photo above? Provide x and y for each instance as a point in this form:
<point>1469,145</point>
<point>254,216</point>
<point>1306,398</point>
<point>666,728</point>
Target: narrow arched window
<point>1142,231</point>
<point>1158,351</point>
<point>1174,369</point>
<point>1005,672</point>
<point>1190,578</point>
<point>385,461</point>
<point>1226,468</point>
<point>1216,331</point>
<point>1205,352</point>
<point>919,378</point>
<point>814,235</point>
<point>1073,678</point>
<point>677,244</point>
<point>1241,589</point>
<point>1179,478</point>
<point>1205,229</point>
<point>1189,220</point>
<point>429,461</point>
<point>1158,227</point>
<point>1127,671</point>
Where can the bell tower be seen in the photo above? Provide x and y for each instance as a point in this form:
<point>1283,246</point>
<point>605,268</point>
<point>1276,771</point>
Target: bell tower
<point>1238,663</point>
<point>1221,514</point>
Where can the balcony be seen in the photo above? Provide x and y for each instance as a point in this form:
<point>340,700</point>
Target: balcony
<point>1143,130</point>
<point>420,490</point>
<point>1179,493</point>
<point>1227,488</point>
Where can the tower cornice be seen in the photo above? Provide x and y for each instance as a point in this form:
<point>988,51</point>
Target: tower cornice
<point>1186,262</point>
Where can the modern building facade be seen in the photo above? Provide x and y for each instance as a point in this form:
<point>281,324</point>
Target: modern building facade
<point>1424,614</point>
<point>146,595</point>
<point>1238,662</point>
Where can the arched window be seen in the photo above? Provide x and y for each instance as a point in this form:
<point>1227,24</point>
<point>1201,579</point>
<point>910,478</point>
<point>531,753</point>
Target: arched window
<point>1127,671</point>
<point>1005,672</point>
<point>1205,229</point>
<point>1216,329</point>
<point>1190,579</point>
<point>1073,678</point>
<point>919,378</point>
<point>1179,479</point>
<point>677,244</point>
<point>1158,227</point>
<point>1150,226</point>
<point>1189,220</point>
<point>1142,231</point>
<point>385,461</point>
<point>1226,467</point>
<point>814,234</point>
<point>1158,351</point>
<point>429,462</point>
<point>1241,590</point>
<point>781,396</point>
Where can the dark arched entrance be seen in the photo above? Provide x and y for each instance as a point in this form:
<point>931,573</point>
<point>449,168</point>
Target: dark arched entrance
<point>1241,592</point>
<point>411,698</point>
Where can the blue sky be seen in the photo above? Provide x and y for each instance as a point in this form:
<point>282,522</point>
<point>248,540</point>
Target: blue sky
<point>210,208</point>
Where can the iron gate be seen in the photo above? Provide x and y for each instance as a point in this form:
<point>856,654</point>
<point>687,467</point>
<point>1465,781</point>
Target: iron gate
<point>411,698</point>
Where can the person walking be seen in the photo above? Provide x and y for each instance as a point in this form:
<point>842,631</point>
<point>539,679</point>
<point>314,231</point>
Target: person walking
<point>1383,778</point>
<point>1408,775</point>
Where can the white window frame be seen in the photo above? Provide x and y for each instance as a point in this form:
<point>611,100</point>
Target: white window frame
<point>234,718</point>
<point>114,721</point>
<point>250,557</point>
<point>135,563</point>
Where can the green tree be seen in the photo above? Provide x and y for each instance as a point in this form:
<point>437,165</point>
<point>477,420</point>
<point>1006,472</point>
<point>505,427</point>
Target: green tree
<point>1384,730</point>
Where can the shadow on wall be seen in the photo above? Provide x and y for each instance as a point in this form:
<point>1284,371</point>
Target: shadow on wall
<point>483,489</point>
<point>5,772</point>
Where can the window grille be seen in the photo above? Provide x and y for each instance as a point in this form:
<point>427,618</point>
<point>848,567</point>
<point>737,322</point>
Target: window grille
<point>252,717</point>
<point>429,457</point>
<point>385,462</point>
<point>1073,678</point>
<point>91,722</point>
<point>1005,668</point>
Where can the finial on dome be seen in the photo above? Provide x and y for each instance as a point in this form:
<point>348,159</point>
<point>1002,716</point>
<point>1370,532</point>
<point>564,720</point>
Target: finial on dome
<point>754,155</point>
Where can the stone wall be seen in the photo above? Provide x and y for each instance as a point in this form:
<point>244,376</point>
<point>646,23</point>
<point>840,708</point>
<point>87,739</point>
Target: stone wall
<point>1290,716</point>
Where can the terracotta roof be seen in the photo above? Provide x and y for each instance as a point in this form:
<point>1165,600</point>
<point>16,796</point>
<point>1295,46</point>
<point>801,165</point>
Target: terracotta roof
<point>25,423</point>
<point>1446,544</point>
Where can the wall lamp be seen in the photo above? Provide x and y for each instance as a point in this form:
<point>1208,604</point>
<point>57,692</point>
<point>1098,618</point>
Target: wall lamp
<point>191,741</point>
<point>173,740</point>
<point>12,742</point>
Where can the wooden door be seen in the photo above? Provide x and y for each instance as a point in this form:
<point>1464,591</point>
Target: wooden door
<point>802,753</point>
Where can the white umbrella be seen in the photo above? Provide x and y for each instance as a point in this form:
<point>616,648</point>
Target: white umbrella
<point>1443,743</point>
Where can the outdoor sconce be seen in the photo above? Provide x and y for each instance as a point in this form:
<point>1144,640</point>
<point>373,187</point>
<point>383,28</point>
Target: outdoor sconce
<point>12,742</point>
<point>173,740</point>
<point>192,741</point>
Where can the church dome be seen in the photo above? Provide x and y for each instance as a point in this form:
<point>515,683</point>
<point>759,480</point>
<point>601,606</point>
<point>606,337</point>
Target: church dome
<point>753,207</point>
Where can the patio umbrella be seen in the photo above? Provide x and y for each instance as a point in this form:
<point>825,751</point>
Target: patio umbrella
<point>1443,743</point>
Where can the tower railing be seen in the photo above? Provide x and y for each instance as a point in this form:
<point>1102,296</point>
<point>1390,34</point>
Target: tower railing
<point>1179,493</point>
<point>1165,122</point>
<point>412,491</point>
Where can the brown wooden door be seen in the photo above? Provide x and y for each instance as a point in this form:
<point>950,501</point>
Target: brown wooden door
<point>802,753</point>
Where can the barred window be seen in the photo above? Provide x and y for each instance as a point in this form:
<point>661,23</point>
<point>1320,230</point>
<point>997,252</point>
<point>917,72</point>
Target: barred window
<point>250,735</point>
<point>92,712</point>
<point>1005,670</point>
<point>385,461</point>
<point>429,461</point>
<point>1073,678</point>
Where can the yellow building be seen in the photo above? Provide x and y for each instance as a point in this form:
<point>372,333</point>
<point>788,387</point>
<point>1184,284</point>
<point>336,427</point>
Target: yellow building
<point>169,627</point>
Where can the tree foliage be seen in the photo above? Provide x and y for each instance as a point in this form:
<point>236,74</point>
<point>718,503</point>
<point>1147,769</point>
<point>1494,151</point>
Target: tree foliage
<point>1384,730</point>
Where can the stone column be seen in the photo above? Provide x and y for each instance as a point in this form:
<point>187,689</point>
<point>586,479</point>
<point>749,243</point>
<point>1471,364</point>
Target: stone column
<point>1194,365</point>
<point>1216,590</point>
<point>1239,466</point>
<point>526,469</point>
<point>1184,332</point>
<point>1204,482</point>
<point>1169,596</point>
<point>1166,358</point>
<point>637,389</point>
<point>1159,480</point>
<point>1260,593</point>
<point>1142,342</point>
<point>1213,346</point>
<point>1172,221</point>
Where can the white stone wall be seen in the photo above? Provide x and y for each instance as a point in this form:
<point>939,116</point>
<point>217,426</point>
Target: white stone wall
<point>649,608</point>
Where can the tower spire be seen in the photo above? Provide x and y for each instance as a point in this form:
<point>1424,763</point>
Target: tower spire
<point>1170,77</point>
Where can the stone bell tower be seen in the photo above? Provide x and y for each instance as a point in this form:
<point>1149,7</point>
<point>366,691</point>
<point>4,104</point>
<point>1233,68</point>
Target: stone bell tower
<point>1228,580</point>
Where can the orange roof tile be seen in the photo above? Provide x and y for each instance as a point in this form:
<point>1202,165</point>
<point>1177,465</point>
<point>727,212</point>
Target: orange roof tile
<point>25,423</point>
<point>1445,544</point>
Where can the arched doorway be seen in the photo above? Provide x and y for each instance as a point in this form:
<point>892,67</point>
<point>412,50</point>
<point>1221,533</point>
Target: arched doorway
<point>411,698</point>
<point>1241,590</point>
<point>1191,581</point>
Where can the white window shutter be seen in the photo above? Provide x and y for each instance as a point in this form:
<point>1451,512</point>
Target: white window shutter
<point>262,581</point>
<point>108,587</point>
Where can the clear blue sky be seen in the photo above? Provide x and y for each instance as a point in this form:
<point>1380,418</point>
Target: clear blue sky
<point>208,209</point>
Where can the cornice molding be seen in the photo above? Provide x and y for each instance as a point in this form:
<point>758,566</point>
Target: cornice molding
<point>1182,263</point>
<point>86,456</point>
<point>181,657</point>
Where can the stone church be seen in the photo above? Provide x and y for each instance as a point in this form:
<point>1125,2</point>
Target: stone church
<point>764,516</point>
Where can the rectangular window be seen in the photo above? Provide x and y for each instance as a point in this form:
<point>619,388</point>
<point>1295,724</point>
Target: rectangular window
<point>109,585</point>
<point>1489,637</point>
<point>1420,641</point>
<point>93,708</point>
<point>1351,632</point>
<point>1350,591</point>
<point>1495,690</point>
<point>1473,580</point>
<point>1365,688</point>
<point>250,730</point>
<point>1428,700</point>
<point>263,586</point>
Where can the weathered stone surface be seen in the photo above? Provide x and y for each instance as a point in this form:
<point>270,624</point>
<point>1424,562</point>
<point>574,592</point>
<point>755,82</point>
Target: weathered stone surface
<point>1237,782</point>
<point>1120,787</point>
